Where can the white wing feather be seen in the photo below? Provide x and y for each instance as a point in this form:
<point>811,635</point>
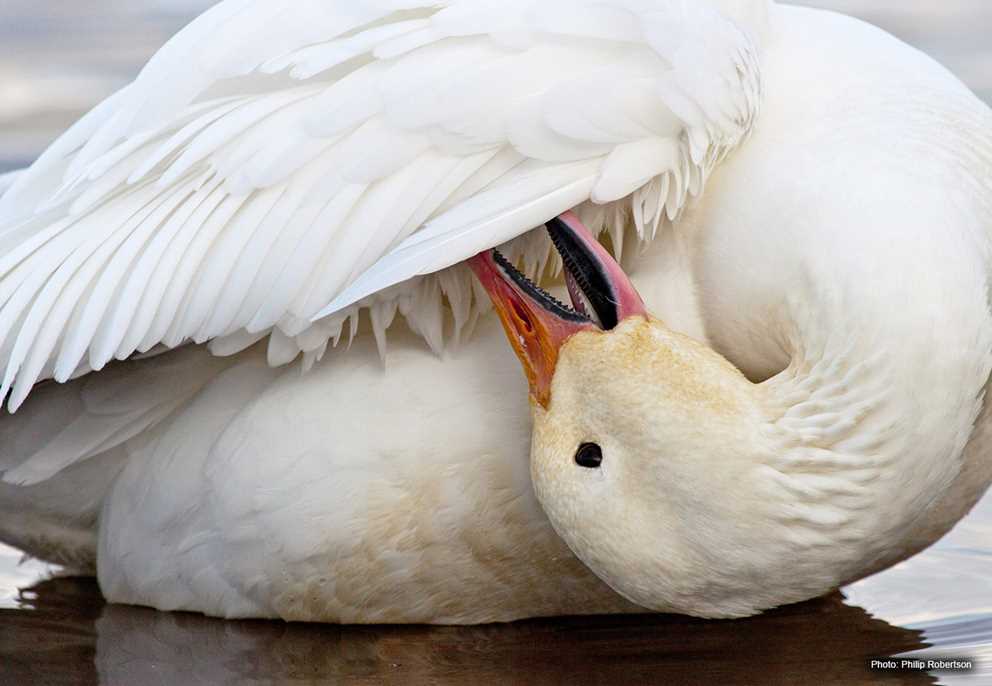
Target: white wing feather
<point>7,180</point>
<point>280,155</point>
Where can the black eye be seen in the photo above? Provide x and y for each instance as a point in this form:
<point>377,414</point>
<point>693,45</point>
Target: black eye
<point>589,455</point>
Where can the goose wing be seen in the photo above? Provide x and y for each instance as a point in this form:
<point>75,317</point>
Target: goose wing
<point>280,163</point>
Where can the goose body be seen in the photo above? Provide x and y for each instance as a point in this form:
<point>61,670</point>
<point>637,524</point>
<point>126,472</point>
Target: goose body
<point>834,248</point>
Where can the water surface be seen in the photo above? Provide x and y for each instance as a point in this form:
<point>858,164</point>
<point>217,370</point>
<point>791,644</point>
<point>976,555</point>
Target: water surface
<point>57,59</point>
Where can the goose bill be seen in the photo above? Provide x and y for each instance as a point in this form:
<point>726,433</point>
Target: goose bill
<point>536,323</point>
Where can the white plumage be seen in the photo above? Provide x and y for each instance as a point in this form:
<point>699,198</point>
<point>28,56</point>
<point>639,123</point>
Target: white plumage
<point>811,198</point>
<point>276,157</point>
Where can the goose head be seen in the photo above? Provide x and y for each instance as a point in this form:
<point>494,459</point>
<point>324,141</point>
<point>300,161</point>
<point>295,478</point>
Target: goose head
<point>645,447</point>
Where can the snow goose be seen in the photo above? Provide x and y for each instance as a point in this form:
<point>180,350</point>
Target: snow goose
<point>811,200</point>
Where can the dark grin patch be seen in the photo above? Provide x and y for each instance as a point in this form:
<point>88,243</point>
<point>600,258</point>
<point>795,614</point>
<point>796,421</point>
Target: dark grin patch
<point>585,273</point>
<point>538,294</point>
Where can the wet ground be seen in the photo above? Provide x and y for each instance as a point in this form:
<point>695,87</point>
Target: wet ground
<point>59,57</point>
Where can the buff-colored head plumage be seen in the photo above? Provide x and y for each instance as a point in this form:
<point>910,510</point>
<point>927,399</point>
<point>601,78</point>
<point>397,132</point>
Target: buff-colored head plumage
<point>647,448</point>
<point>669,425</point>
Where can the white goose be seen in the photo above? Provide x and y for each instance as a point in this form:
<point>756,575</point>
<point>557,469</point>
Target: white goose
<point>283,166</point>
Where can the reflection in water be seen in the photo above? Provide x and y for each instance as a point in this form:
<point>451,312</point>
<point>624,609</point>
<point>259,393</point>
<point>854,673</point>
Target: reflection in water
<point>57,59</point>
<point>821,642</point>
<point>945,592</point>
<point>18,571</point>
<point>52,639</point>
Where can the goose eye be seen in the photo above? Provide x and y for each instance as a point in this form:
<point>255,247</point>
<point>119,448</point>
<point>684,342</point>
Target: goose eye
<point>589,455</point>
